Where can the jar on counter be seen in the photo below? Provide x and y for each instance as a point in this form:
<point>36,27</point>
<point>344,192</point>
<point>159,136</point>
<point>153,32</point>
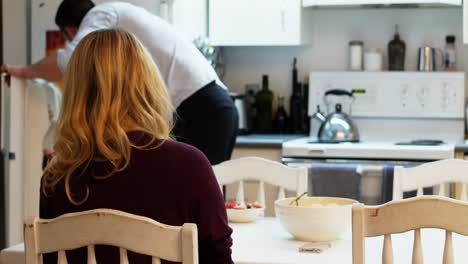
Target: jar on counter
<point>356,48</point>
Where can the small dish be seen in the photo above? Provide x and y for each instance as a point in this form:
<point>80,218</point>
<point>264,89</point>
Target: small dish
<point>244,215</point>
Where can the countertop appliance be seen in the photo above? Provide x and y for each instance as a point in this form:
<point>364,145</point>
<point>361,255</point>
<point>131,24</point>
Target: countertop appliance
<point>427,61</point>
<point>241,107</point>
<point>394,107</point>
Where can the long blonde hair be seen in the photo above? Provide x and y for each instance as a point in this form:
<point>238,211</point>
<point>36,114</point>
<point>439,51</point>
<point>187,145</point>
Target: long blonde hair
<point>112,86</point>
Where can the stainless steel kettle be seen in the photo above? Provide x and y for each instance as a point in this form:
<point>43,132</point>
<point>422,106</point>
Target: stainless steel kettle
<point>338,126</point>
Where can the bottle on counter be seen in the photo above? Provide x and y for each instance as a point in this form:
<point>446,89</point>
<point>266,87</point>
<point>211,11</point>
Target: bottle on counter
<point>264,108</point>
<point>396,52</point>
<point>450,60</point>
<point>296,105</point>
<point>297,111</point>
<point>305,95</point>
<point>280,123</point>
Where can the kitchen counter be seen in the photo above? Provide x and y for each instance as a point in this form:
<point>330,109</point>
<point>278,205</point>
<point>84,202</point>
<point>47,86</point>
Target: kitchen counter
<point>264,140</point>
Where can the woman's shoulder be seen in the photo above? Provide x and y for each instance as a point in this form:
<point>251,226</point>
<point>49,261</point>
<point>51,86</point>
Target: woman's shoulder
<point>183,149</point>
<point>167,149</point>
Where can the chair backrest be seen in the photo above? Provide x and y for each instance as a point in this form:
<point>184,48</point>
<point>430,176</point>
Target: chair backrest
<point>437,173</point>
<point>405,215</point>
<point>262,170</point>
<point>110,227</point>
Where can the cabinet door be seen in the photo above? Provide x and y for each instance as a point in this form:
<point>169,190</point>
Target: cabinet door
<point>190,17</point>
<point>255,22</point>
<point>465,22</point>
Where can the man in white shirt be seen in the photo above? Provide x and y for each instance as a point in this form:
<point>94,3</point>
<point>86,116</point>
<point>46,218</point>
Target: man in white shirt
<point>207,118</point>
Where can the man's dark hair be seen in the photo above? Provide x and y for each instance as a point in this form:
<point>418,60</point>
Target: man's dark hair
<point>71,12</point>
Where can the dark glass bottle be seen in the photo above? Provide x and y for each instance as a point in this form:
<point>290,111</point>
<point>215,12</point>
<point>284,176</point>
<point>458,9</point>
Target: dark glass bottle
<point>305,96</point>
<point>280,124</point>
<point>264,105</point>
<point>297,111</point>
<point>396,53</point>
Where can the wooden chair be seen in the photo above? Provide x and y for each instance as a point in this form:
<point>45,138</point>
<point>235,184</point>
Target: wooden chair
<point>437,173</point>
<point>262,170</point>
<point>409,214</point>
<point>110,227</point>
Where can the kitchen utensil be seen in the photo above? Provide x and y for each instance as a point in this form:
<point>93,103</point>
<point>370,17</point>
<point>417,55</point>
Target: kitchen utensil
<point>338,126</point>
<point>315,218</point>
<point>427,59</point>
<point>241,107</point>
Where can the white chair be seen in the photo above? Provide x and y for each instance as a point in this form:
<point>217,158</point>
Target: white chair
<point>405,215</point>
<point>437,173</point>
<point>262,170</point>
<point>110,227</point>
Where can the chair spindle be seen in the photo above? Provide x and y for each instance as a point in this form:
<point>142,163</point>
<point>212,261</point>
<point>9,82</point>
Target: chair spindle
<point>62,257</point>
<point>261,193</point>
<point>281,193</point>
<point>448,249</point>
<point>91,255</point>
<point>387,256</point>
<point>463,192</point>
<point>417,248</point>
<point>123,256</point>
<point>420,192</point>
<point>240,198</point>
<point>442,189</point>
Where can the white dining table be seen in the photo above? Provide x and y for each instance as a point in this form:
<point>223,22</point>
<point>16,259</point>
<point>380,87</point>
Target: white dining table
<point>265,241</point>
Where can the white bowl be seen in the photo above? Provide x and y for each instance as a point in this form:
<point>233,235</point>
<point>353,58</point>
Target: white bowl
<point>315,218</point>
<point>243,215</point>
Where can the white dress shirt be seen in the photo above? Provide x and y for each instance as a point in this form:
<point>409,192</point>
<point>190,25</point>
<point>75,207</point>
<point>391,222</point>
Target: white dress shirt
<point>183,68</point>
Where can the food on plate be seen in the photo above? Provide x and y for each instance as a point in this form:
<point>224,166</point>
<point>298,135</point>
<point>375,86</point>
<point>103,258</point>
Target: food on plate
<point>230,205</point>
<point>242,206</point>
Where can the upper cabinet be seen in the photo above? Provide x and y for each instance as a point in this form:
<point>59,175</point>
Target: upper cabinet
<point>255,22</point>
<point>465,23</point>
<point>319,3</point>
<point>189,17</point>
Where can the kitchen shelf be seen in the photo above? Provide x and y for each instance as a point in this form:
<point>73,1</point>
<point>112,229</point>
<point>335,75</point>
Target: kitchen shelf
<point>349,3</point>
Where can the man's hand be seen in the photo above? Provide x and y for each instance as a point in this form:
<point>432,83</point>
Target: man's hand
<point>46,68</point>
<point>23,72</point>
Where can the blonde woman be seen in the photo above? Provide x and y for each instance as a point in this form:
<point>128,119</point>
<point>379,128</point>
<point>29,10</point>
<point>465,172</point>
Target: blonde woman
<point>113,150</point>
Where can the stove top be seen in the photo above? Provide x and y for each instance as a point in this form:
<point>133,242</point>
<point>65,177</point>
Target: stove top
<point>415,150</point>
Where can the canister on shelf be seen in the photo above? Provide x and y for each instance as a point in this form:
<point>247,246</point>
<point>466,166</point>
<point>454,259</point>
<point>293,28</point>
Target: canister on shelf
<point>356,55</point>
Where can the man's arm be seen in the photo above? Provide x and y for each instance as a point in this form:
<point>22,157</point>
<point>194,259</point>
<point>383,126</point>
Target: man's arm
<point>46,68</point>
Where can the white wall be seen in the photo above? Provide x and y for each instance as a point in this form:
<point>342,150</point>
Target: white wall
<point>331,32</point>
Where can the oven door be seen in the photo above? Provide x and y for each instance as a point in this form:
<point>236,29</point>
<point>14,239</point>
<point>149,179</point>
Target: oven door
<point>376,175</point>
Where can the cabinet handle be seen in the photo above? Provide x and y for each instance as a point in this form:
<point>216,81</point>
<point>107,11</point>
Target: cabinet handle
<point>283,15</point>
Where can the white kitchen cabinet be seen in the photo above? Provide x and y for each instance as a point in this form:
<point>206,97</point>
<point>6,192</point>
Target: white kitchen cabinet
<point>319,3</point>
<point>256,22</point>
<point>465,23</point>
<point>190,17</point>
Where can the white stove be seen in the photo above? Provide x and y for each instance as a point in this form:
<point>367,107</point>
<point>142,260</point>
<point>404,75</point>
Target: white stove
<point>388,151</point>
<point>396,107</point>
